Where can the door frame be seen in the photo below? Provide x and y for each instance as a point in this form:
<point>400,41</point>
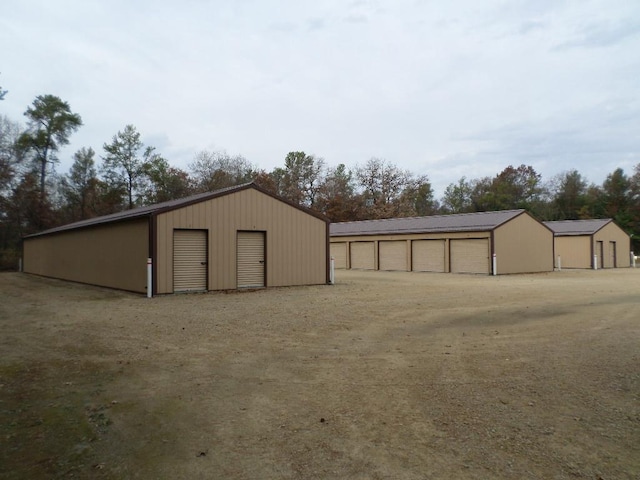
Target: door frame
<point>613,253</point>
<point>600,254</point>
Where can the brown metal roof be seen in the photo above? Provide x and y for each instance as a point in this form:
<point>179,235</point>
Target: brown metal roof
<point>157,208</point>
<point>577,227</point>
<point>464,222</point>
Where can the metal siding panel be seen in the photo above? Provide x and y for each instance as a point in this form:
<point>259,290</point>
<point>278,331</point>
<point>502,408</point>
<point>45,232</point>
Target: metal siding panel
<point>339,252</point>
<point>470,256</point>
<point>108,255</point>
<point>189,260</point>
<point>523,245</point>
<point>428,255</point>
<point>363,256</point>
<point>393,255</point>
<point>251,259</point>
<point>288,231</point>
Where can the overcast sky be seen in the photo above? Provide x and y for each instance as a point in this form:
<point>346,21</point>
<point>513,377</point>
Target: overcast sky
<point>442,88</point>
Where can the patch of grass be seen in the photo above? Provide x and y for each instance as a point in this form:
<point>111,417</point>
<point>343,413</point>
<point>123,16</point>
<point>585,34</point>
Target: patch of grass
<point>46,426</point>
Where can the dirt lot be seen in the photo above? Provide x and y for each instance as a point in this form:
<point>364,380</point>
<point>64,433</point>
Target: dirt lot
<point>382,376</point>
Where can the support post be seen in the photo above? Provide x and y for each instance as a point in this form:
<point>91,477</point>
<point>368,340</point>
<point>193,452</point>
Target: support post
<point>149,278</point>
<point>494,264</point>
<point>20,263</point>
<point>633,260</point>
<point>332,271</point>
<point>559,264</point>
<point>595,262</point>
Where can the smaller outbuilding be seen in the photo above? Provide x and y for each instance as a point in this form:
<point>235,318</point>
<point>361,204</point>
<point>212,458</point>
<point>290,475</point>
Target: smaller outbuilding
<point>598,243</point>
<point>504,242</point>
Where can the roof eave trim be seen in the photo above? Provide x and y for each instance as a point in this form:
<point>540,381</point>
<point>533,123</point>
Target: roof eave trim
<point>507,220</point>
<point>60,229</point>
<point>204,198</point>
<point>572,234</point>
<point>603,225</point>
<point>302,208</point>
<point>169,208</point>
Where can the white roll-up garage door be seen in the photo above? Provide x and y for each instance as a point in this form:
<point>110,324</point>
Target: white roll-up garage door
<point>339,253</point>
<point>393,255</point>
<point>427,255</point>
<point>363,255</point>
<point>470,255</point>
<point>189,260</point>
<point>250,252</point>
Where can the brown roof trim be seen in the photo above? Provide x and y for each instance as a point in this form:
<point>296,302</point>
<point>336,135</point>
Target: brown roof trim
<point>539,221</point>
<point>522,212</point>
<point>289,202</point>
<point>506,220</point>
<point>153,210</point>
<point>81,225</point>
<point>193,199</point>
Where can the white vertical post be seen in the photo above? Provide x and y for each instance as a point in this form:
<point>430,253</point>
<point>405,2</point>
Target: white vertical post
<point>494,265</point>
<point>149,278</point>
<point>595,262</point>
<point>633,260</point>
<point>559,264</point>
<point>332,271</point>
<point>20,263</point>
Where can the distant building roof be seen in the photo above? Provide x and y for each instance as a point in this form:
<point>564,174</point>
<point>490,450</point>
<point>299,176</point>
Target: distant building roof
<point>577,227</point>
<point>141,212</point>
<point>464,222</point>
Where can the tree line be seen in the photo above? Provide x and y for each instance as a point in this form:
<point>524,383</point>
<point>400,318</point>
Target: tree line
<point>127,174</point>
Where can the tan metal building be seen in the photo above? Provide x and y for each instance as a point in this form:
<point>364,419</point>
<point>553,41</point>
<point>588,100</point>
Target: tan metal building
<point>598,243</point>
<point>464,243</point>
<point>239,237</point>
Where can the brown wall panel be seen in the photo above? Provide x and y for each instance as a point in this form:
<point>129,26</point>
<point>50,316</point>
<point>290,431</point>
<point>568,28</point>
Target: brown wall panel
<point>112,255</point>
<point>523,245</point>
